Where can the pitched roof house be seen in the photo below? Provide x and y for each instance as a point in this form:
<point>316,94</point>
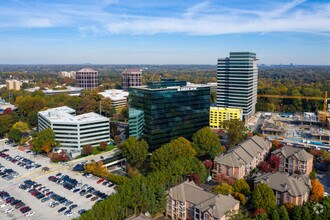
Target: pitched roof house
<point>294,188</point>
<point>189,201</point>
<point>240,160</point>
<point>293,159</point>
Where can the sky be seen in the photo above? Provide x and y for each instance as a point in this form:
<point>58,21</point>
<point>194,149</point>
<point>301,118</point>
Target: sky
<point>163,32</point>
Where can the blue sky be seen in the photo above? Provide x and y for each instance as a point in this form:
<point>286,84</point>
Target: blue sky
<point>163,32</point>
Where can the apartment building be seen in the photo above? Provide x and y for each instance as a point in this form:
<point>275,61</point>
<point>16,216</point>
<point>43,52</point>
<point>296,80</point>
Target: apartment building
<point>187,201</point>
<point>240,160</point>
<point>294,189</point>
<point>74,131</point>
<point>294,160</point>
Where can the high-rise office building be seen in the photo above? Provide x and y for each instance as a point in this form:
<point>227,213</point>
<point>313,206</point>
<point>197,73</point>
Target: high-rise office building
<point>171,109</point>
<point>237,79</point>
<point>131,77</point>
<point>87,78</point>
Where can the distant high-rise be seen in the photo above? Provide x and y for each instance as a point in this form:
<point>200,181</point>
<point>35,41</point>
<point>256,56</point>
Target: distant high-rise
<point>237,79</point>
<point>87,78</point>
<point>131,77</point>
<point>13,84</point>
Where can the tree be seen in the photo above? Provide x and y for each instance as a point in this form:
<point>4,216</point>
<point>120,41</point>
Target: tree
<point>240,197</point>
<point>206,142</point>
<point>312,175</point>
<point>208,164</point>
<point>96,168</point>
<point>6,122</point>
<point>296,213</point>
<point>87,150</point>
<point>263,197</point>
<point>317,191</point>
<point>103,146</point>
<point>275,215</point>
<point>264,167</point>
<point>283,213</point>
<point>213,97</point>
<point>117,139</point>
<point>106,107</point>
<point>172,151</point>
<point>242,186</point>
<point>44,141</point>
<point>135,151</point>
<point>275,144</point>
<point>305,213</point>
<point>224,189</point>
<point>21,126</point>
<point>258,212</point>
<point>15,134</point>
<point>195,177</point>
<point>113,129</point>
<point>274,162</point>
<point>236,131</point>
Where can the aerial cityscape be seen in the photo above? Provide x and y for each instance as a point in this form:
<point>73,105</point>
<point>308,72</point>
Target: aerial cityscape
<point>183,110</point>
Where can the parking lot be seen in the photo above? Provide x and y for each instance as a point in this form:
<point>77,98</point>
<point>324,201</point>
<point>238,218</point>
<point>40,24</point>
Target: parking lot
<point>67,188</point>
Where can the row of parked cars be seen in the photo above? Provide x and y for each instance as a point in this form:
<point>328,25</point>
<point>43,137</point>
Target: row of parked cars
<point>45,194</point>
<point>8,173</point>
<point>15,203</point>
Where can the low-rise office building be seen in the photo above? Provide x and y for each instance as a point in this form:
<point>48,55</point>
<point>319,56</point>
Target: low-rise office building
<point>188,201</point>
<point>13,84</point>
<point>118,97</point>
<point>240,160</point>
<point>294,189</point>
<point>294,160</point>
<point>74,131</point>
<point>220,114</point>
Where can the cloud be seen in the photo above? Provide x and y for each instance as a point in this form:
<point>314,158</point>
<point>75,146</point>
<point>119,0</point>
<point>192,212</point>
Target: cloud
<point>204,18</point>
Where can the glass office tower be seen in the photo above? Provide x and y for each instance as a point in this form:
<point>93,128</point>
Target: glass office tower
<point>237,79</point>
<point>171,109</point>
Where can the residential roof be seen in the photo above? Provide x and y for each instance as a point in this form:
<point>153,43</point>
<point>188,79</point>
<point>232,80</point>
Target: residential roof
<point>86,70</point>
<point>299,153</point>
<point>216,205</point>
<point>296,185</point>
<point>244,153</point>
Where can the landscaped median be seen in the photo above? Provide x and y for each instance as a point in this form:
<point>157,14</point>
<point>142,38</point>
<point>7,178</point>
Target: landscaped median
<point>89,150</point>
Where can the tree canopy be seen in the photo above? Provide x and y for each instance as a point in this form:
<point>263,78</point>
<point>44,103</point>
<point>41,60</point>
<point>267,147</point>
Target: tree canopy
<point>44,141</point>
<point>206,142</point>
<point>236,131</point>
<point>263,197</point>
<point>317,191</point>
<point>135,151</point>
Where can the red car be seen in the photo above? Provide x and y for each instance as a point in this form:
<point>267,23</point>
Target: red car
<point>100,181</point>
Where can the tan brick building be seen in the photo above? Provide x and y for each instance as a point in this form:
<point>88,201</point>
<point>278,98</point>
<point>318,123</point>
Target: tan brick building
<point>294,188</point>
<point>240,160</point>
<point>293,159</point>
<point>188,201</point>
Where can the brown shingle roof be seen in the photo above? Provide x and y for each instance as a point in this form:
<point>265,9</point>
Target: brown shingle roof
<point>301,154</point>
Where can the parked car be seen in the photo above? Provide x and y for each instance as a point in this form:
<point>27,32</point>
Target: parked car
<point>61,209</point>
<point>100,181</point>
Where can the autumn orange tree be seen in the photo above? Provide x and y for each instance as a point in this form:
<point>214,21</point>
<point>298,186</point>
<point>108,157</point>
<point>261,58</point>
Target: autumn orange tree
<point>317,191</point>
<point>96,168</point>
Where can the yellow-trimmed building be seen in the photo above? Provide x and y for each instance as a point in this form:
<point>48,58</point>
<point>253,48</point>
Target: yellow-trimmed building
<point>220,114</point>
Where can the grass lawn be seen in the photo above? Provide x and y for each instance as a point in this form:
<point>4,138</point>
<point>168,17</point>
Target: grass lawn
<point>97,151</point>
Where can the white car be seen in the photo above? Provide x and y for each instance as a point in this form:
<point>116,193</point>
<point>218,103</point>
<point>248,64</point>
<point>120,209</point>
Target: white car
<point>30,213</point>
<point>70,214</point>
<point>4,205</point>
<point>9,210</point>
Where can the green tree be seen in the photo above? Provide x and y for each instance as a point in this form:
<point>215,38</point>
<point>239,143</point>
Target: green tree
<point>242,186</point>
<point>296,213</point>
<point>213,97</point>
<point>283,213</point>
<point>21,126</point>
<point>262,217</point>
<point>275,215</point>
<point>135,151</point>
<point>223,188</point>
<point>107,108</point>
<point>177,148</point>
<point>206,142</point>
<point>44,141</point>
<point>6,122</point>
<point>263,197</point>
<point>312,175</point>
<point>236,131</point>
<point>15,134</point>
<point>305,213</point>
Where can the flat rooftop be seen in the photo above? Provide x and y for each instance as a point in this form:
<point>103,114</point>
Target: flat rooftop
<point>66,114</point>
<point>178,88</point>
<point>114,94</point>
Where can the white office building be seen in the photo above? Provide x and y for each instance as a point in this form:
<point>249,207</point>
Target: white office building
<point>118,97</point>
<point>74,131</point>
<point>237,80</point>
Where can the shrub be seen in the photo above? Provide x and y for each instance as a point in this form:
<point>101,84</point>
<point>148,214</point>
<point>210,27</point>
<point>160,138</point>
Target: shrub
<point>103,146</point>
<point>87,150</point>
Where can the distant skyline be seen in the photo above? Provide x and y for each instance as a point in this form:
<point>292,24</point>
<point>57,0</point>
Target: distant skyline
<point>163,32</point>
